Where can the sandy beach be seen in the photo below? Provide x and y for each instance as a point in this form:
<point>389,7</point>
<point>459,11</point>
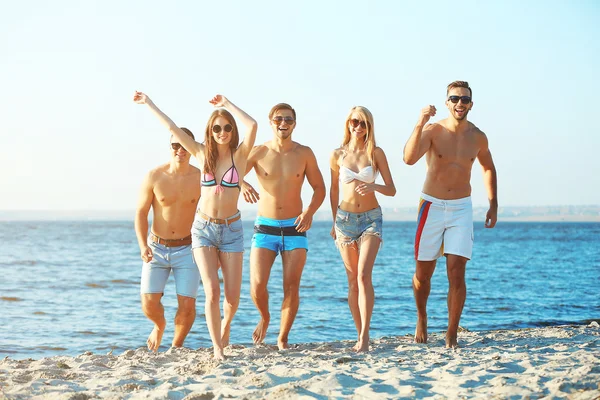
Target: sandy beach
<point>554,362</point>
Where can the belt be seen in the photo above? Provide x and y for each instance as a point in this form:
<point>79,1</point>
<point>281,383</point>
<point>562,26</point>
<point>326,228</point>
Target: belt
<point>225,221</point>
<point>172,242</point>
<point>278,231</point>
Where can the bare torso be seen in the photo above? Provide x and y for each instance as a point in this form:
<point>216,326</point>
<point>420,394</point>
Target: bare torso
<point>450,161</point>
<point>225,203</point>
<point>175,200</point>
<point>280,176</point>
<point>351,200</point>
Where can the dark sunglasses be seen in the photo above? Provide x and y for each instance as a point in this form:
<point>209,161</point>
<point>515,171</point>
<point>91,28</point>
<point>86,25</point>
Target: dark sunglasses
<point>287,120</point>
<point>463,99</point>
<point>227,128</point>
<point>356,122</point>
<point>177,146</point>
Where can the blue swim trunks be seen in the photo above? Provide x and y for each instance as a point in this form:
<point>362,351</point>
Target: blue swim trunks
<point>278,235</point>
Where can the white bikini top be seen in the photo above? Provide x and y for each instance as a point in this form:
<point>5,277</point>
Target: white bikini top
<point>367,174</point>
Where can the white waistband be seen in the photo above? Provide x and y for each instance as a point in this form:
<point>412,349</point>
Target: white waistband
<point>453,202</point>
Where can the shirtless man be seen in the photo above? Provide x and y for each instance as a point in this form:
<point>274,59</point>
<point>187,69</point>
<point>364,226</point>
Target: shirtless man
<point>445,222</point>
<point>281,166</point>
<point>173,191</point>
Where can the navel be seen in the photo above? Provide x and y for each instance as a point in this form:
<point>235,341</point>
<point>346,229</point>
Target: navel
<point>439,156</point>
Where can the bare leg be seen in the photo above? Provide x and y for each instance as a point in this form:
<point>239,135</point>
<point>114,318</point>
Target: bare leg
<point>206,259</point>
<point>421,288</point>
<point>231,267</point>
<point>457,293</point>
<point>349,255</point>
<point>293,265</point>
<point>261,261</point>
<point>153,309</point>
<point>366,294</point>
<point>184,319</point>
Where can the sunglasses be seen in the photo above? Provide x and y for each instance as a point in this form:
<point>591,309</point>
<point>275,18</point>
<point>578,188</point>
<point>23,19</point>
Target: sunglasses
<point>177,146</point>
<point>356,122</point>
<point>463,99</point>
<point>217,128</point>
<point>287,120</point>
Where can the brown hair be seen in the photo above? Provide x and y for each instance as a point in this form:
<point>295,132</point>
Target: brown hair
<point>281,106</point>
<point>210,146</point>
<point>364,115</point>
<point>462,84</point>
<point>190,134</point>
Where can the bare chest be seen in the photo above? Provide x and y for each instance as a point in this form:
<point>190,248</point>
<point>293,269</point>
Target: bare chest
<point>276,167</point>
<point>182,191</point>
<point>447,149</point>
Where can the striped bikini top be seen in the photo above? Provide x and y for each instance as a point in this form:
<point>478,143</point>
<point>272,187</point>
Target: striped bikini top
<point>230,179</point>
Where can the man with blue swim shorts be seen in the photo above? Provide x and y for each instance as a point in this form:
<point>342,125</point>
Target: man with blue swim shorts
<point>172,190</point>
<point>445,219</point>
<point>281,165</point>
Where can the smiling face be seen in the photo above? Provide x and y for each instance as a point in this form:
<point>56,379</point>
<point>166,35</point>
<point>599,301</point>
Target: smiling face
<point>283,123</point>
<point>222,130</point>
<point>178,153</point>
<point>358,125</point>
<point>459,110</point>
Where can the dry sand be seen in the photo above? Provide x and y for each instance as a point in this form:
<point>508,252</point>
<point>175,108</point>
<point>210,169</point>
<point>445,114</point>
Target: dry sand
<point>553,362</point>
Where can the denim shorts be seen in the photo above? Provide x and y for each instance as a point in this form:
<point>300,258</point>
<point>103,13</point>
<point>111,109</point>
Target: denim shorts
<point>227,238</point>
<point>352,227</point>
<point>164,259</point>
<point>278,243</point>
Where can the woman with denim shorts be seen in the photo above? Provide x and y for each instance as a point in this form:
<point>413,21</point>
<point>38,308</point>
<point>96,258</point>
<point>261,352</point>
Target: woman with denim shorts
<point>357,228</point>
<point>217,235</point>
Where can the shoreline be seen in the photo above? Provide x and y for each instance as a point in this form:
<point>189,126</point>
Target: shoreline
<point>557,361</point>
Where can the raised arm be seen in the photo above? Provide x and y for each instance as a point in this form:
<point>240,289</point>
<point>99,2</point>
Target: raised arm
<point>249,122</point>
<point>141,217</point>
<point>490,181</point>
<point>334,188</point>
<point>420,140</point>
<point>315,179</point>
<point>192,147</point>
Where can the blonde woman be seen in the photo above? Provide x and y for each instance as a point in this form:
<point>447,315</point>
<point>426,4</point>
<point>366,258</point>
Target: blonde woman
<point>357,227</point>
<point>217,235</point>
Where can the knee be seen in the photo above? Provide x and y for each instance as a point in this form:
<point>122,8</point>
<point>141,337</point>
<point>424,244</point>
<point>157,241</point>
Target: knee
<point>456,281</point>
<point>365,279</point>
<point>291,289</point>
<point>187,307</point>
<point>353,285</point>
<point>212,294</point>
<point>150,306</point>
<point>421,278</point>
<point>258,291</point>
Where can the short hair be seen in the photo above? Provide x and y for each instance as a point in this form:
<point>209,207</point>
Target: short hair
<point>279,107</point>
<point>462,84</point>
<point>186,130</point>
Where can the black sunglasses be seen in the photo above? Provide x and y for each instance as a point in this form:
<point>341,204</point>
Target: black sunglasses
<point>227,128</point>
<point>280,119</point>
<point>463,99</point>
<point>177,146</point>
<point>356,122</point>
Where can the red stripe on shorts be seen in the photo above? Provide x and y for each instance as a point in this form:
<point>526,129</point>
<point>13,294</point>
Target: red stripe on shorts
<point>423,211</point>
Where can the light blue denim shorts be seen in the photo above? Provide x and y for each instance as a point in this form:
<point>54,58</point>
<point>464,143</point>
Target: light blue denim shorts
<point>226,237</point>
<point>351,227</point>
<point>164,259</point>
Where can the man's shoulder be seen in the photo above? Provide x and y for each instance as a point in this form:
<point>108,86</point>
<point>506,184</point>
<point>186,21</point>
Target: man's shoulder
<point>302,149</point>
<point>158,171</point>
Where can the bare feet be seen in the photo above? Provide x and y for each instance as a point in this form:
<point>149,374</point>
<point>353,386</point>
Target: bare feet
<point>155,338</point>
<point>451,340</point>
<point>225,331</point>
<point>421,330</point>
<point>218,354</point>
<point>282,345</point>
<point>261,331</point>
<point>362,346</point>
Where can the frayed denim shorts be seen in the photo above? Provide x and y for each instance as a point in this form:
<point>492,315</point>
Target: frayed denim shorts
<point>227,237</point>
<point>352,227</point>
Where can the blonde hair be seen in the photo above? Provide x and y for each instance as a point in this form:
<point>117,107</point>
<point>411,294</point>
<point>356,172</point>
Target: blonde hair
<point>210,146</point>
<point>363,115</point>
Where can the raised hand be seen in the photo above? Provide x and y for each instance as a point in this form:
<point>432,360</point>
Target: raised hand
<point>218,101</point>
<point>250,195</point>
<point>426,113</point>
<point>140,98</point>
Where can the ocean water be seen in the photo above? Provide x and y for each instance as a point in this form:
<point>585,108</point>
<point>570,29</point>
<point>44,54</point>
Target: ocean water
<point>67,287</point>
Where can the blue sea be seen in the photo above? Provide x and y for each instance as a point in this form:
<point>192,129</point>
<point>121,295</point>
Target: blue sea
<point>67,287</point>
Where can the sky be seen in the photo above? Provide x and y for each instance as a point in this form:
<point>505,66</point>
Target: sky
<point>72,138</point>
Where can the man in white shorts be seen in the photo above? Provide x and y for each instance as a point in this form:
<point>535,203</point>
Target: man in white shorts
<point>445,220</point>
